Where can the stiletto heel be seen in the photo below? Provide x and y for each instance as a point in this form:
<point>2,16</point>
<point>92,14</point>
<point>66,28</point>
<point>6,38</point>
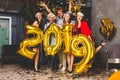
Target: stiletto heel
<point>36,70</point>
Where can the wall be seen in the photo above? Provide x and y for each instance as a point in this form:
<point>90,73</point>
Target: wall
<point>105,9</point>
<point>17,26</point>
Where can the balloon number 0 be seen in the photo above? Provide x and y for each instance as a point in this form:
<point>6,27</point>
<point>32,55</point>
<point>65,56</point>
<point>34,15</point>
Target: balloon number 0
<point>79,45</point>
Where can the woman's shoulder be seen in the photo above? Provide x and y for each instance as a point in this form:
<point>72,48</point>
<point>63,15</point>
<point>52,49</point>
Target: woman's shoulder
<point>35,23</point>
<point>83,21</point>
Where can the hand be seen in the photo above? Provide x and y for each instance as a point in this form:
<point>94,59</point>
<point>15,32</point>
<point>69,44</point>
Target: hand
<point>42,4</point>
<point>103,44</point>
<point>71,1</point>
<point>45,6</point>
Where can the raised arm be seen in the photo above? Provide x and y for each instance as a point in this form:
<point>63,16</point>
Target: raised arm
<point>46,7</point>
<point>99,47</point>
<point>70,5</point>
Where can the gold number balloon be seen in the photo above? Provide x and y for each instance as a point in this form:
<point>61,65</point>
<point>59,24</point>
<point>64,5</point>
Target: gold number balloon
<point>79,45</point>
<point>26,43</point>
<point>107,28</point>
<point>67,36</point>
<point>53,29</point>
<point>115,76</point>
<point>82,47</point>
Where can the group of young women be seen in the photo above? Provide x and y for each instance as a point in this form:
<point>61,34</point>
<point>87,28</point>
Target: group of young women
<point>66,61</point>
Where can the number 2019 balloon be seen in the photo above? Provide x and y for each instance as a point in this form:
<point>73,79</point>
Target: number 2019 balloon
<point>79,45</point>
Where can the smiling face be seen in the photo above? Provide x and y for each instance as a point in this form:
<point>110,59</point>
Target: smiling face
<point>67,17</point>
<point>38,16</point>
<point>51,17</point>
<point>79,17</point>
<point>60,13</point>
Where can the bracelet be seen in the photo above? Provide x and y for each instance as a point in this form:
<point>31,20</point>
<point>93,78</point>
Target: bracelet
<point>101,45</point>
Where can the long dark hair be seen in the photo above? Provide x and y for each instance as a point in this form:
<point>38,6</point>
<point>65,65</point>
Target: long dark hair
<point>64,20</point>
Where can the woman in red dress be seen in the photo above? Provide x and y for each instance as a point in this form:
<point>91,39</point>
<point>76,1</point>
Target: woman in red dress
<point>82,26</point>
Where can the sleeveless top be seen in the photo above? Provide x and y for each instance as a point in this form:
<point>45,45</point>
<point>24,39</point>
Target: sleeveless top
<point>41,25</point>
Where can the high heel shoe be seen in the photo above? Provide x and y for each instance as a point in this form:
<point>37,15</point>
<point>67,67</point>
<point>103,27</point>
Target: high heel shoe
<point>36,70</point>
<point>68,70</point>
<point>71,70</point>
<point>60,66</point>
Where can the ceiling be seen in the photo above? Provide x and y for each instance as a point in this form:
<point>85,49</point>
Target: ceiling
<point>10,5</point>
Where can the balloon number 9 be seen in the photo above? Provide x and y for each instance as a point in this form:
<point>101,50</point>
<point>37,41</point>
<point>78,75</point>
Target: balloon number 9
<point>82,47</point>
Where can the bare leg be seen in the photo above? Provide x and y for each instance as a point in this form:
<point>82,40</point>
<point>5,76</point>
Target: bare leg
<point>36,58</point>
<point>68,61</point>
<point>63,62</point>
<point>71,61</point>
<point>60,59</point>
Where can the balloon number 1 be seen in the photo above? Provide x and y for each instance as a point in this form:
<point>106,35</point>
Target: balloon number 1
<point>78,45</point>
